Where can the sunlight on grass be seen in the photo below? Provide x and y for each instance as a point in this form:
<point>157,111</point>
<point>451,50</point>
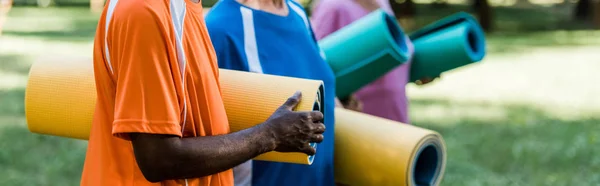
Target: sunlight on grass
<point>560,80</point>
<point>526,147</point>
<point>36,47</point>
<point>11,80</point>
<point>42,23</point>
<point>450,113</point>
<point>55,24</point>
<point>511,43</point>
<point>32,19</point>
<point>11,121</point>
<point>494,2</point>
<point>17,55</point>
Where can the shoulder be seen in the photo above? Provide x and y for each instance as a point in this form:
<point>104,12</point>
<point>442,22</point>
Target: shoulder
<point>139,11</point>
<point>222,18</point>
<point>299,10</point>
<point>222,10</point>
<point>223,23</point>
<point>137,18</point>
<point>148,18</point>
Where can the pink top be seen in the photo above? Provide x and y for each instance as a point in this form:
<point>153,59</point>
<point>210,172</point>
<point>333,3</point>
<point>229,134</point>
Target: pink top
<point>385,97</point>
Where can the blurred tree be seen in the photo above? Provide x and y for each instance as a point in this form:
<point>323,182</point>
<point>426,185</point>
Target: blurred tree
<point>208,3</point>
<point>522,3</point>
<point>308,5</point>
<point>484,14</point>
<point>405,11</point>
<point>596,11</point>
<point>440,4</point>
<point>44,3</point>
<point>583,10</point>
<point>403,8</point>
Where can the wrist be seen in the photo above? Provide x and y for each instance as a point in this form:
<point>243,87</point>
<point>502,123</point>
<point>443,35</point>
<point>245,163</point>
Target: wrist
<point>265,138</point>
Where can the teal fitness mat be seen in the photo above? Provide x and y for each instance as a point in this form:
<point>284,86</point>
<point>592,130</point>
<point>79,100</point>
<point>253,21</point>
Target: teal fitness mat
<point>364,50</point>
<point>449,43</point>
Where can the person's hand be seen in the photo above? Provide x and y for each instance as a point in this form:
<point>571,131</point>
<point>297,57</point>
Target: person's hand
<point>293,131</point>
<point>425,80</point>
<point>352,103</point>
<point>338,103</point>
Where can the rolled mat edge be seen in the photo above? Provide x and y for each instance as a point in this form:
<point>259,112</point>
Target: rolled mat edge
<point>376,151</point>
<point>364,50</point>
<point>451,42</point>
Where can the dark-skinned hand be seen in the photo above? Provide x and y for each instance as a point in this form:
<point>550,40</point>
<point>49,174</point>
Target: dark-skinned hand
<point>425,80</point>
<point>293,131</point>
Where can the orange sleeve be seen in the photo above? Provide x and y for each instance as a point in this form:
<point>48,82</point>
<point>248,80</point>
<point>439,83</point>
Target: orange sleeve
<point>146,99</point>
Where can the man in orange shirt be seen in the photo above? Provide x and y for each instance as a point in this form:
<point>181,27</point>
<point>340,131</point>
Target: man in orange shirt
<point>159,117</point>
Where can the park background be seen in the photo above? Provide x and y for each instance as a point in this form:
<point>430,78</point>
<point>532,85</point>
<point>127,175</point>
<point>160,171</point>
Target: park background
<point>528,114</point>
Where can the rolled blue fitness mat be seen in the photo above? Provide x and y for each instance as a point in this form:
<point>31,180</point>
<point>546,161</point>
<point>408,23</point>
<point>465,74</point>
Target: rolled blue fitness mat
<point>449,43</point>
<point>364,50</point>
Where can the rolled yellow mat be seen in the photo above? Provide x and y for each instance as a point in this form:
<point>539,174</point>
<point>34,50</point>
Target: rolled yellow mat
<point>375,151</point>
<point>250,99</point>
<point>60,100</point>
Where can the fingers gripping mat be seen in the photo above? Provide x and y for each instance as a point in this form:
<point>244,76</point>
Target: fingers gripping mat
<point>250,99</point>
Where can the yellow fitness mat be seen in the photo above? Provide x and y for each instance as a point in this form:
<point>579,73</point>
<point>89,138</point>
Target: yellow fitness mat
<point>375,151</point>
<point>60,100</point>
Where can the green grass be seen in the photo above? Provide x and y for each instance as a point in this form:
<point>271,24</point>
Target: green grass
<point>526,115</point>
<point>32,159</point>
<point>495,144</point>
<point>54,24</point>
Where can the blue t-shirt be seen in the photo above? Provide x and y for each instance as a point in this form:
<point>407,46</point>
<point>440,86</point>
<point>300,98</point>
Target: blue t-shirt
<point>252,40</point>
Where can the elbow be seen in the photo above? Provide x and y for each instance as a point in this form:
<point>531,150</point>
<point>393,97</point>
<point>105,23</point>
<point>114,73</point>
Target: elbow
<point>153,169</point>
<point>152,173</point>
<point>162,166</point>
<point>151,153</point>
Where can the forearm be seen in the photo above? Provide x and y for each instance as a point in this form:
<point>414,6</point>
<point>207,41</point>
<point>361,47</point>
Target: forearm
<point>202,156</point>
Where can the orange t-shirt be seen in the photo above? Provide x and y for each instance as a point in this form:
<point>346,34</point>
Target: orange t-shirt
<point>156,72</point>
